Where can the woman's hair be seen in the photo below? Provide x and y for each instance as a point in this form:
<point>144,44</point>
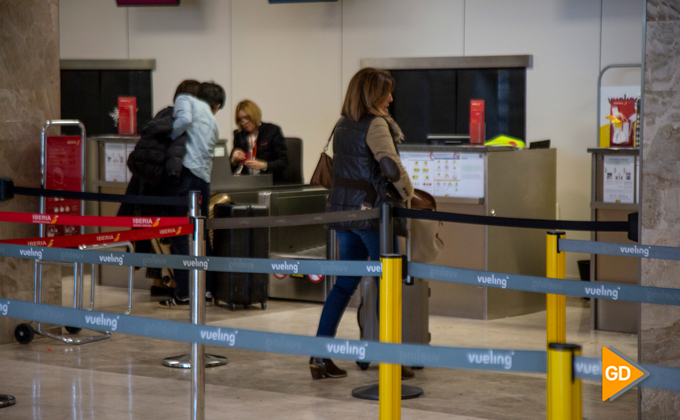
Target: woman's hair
<point>252,111</point>
<point>366,91</point>
<point>188,86</point>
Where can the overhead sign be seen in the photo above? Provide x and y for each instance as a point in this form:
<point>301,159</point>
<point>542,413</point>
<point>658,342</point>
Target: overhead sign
<point>619,374</point>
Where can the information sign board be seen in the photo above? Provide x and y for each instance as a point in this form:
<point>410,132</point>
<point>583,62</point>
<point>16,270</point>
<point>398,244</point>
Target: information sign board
<point>63,171</point>
<point>446,174</point>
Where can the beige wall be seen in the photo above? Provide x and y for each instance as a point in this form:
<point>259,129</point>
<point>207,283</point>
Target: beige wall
<point>29,95</point>
<point>296,59</point>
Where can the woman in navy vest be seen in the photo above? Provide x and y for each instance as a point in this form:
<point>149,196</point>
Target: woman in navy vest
<point>367,172</point>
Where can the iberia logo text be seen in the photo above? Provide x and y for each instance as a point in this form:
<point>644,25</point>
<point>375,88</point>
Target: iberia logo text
<point>44,219</point>
<point>145,222</point>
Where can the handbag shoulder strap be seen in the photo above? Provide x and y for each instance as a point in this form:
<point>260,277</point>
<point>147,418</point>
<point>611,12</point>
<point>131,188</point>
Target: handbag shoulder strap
<point>325,149</point>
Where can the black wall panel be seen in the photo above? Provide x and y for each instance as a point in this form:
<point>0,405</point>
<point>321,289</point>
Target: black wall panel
<point>438,101</point>
<point>91,95</point>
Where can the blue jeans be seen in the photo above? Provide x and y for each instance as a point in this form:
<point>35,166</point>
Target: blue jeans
<point>354,245</point>
<point>180,244</point>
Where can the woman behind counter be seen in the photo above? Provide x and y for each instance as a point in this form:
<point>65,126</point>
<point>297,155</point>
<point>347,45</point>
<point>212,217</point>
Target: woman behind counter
<point>259,147</point>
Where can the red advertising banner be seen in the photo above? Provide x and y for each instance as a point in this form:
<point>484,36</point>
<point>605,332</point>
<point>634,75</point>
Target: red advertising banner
<point>63,171</point>
<point>105,238</point>
<point>97,221</point>
<point>477,124</point>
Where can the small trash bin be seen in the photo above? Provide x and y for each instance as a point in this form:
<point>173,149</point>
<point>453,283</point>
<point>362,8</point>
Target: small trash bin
<point>584,269</point>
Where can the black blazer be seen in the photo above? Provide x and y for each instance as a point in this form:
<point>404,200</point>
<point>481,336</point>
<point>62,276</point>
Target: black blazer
<point>271,147</point>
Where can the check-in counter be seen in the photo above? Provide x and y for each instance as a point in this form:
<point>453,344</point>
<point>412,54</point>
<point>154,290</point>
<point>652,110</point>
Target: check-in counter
<point>614,195</point>
<point>292,242</point>
<point>493,181</point>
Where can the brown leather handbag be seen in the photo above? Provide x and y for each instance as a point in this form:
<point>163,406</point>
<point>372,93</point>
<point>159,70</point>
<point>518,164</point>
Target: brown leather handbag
<point>323,174</point>
<point>423,201</point>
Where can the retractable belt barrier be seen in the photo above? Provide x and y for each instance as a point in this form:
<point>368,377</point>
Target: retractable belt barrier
<point>609,291</point>
<point>515,222</point>
<point>226,264</point>
<point>406,354</point>
<point>296,220</point>
<point>113,198</point>
<point>96,221</point>
<point>402,354</point>
<point>73,241</point>
<point>623,250</point>
<point>485,359</point>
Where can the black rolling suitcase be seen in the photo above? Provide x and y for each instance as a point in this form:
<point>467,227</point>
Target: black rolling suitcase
<point>241,288</point>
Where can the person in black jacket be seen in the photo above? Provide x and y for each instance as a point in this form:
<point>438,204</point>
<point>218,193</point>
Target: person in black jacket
<point>259,147</point>
<point>155,163</point>
<point>157,159</point>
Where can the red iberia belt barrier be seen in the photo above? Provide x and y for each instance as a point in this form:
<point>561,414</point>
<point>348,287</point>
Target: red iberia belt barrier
<point>73,241</point>
<point>97,221</point>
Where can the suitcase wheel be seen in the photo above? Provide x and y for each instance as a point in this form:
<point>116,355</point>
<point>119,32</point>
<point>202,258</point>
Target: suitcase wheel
<point>24,333</point>
<point>264,305</point>
<point>363,365</point>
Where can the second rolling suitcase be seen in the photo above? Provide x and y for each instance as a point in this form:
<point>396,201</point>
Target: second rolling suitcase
<point>241,288</point>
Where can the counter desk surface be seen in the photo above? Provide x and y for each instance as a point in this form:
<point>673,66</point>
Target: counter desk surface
<point>496,181</point>
<point>508,182</point>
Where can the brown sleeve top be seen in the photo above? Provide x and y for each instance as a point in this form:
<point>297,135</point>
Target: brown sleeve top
<point>379,140</point>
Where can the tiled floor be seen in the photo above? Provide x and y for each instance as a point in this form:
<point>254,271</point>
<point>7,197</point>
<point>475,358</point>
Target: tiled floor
<point>123,378</point>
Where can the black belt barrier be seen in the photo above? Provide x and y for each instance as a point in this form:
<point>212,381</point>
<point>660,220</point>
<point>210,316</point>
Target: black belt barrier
<point>113,198</point>
<point>295,220</point>
<point>519,223</point>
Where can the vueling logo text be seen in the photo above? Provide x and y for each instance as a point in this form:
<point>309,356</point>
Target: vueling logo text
<point>102,321</point>
<point>493,280</point>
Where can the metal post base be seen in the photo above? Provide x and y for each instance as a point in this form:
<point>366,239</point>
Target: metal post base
<point>7,400</point>
<point>184,361</point>
<point>371,392</point>
<point>103,335</point>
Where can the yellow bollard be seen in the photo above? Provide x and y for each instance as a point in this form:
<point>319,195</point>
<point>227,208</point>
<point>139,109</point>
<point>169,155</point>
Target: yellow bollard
<point>556,305</point>
<point>561,381</point>
<point>576,393</point>
<point>390,332</point>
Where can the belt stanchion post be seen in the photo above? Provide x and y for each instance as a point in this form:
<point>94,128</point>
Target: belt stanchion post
<point>556,305</point>
<point>390,332</point>
<point>561,387</point>
<point>197,297</point>
<point>374,392</point>
<point>197,300</point>
<point>576,392</point>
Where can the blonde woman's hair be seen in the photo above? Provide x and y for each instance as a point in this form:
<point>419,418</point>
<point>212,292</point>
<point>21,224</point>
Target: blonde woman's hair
<point>252,111</point>
<point>367,90</point>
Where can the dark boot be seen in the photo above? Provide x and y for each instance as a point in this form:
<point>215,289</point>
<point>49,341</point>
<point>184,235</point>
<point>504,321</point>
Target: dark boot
<point>407,373</point>
<point>325,368</point>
